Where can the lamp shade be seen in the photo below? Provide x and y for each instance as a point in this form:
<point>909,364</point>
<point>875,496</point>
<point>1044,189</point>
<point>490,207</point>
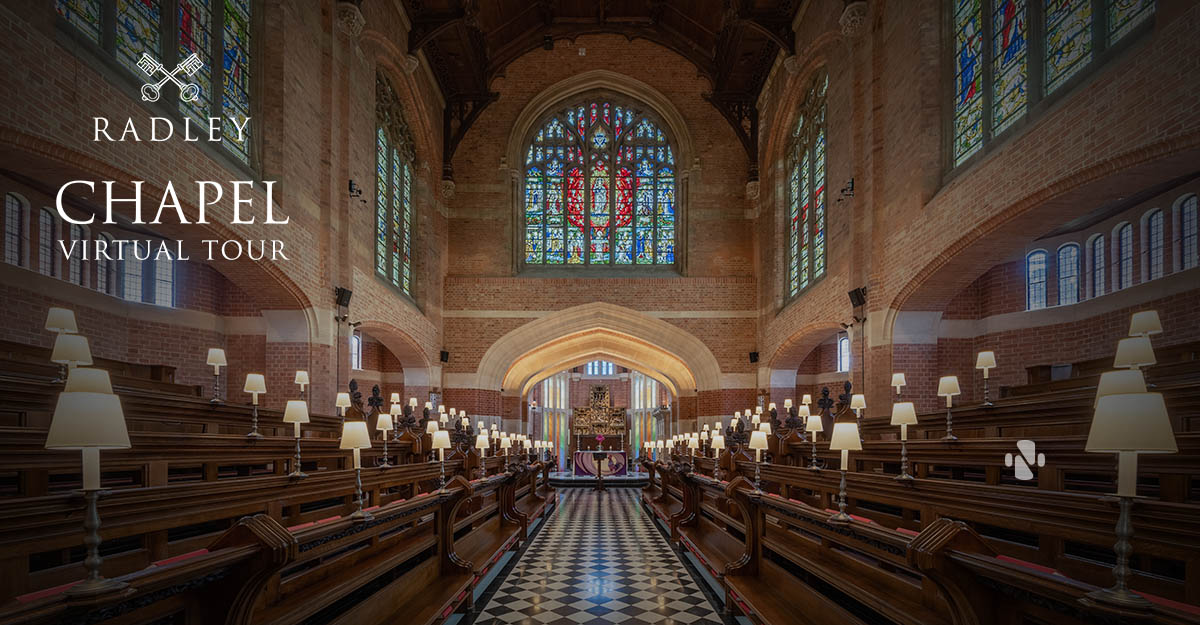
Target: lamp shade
<point>296,411</point>
<point>807,400</point>
<point>898,379</point>
<point>505,443</point>
<point>71,349</point>
<point>479,426</point>
<point>481,442</point>
<point>441,439</point>
<point>302,377</point>
<point>88,420</point>
<point>1116,382</point>
<point>693,443</point>
<point>1132,352</point>
<point>343,400</point>
<point>216,357</point>
<point>1132,422</point>
<point>431,426</point>
<point>355,435</point>
<point>985,360</point>
<point>255,383</point>
<point>87,380</point>
<point>718,442</point>
<point>705,427</point>
<point>1142,323</point>
<point>704,435</point>
<point>383,422</point>
<point>61,320</point>
<point>802,411</point>
<point>948,386</point>
<point>765,426</point>
<point>813,424</point>
<point>396,410</point>
<point>787,404</point>
<point>858,401</point>
<point>758,439</point>
<point>395,399</point>
<point>904,413</point>
<point>845,436</point>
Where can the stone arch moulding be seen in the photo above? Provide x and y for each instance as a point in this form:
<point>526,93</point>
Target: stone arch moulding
<point>561,92</point>
<point>656,334</point>
<point>795,348</point>
<point>416,366</point>
<point>580,348</point>
<point>617,359</point>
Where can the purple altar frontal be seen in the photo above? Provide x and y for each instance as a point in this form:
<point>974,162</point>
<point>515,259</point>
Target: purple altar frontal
<point>608,463</point>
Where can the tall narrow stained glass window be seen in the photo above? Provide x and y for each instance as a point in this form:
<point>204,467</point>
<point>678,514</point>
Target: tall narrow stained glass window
<point>1067,265</point>
<point>992,89</point>
<point>1188,251</point>
<point>169,31</point>
<point>394,154</point>
<point>1035,280</point>
<point>600,188</point>
<point>806,190</point>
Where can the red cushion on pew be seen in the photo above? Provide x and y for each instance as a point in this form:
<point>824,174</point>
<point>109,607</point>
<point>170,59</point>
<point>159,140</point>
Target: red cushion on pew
<point>1183,607</point>
<point>1028,565</point>
<point>773,495</point>
<point>328,519</point>
<point>180,558</point>
<point>301,526</point>
<point>862,519</point>
<point>370,509</point>
<point>48,592</point>
<point>905,530</point>
<point>831,511</point>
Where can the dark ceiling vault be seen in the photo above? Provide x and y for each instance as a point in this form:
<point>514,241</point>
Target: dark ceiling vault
<point>732,43</point>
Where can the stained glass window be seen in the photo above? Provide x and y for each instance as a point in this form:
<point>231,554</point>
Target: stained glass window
<point>393,189</point>
<point>1126,15</point>
<point>1125,257</point>
<point>806,190</point>
<point>1154,244</point>
<point>968,99</point>
<point>150,26</point>
<point>1035,280</point>
<point>47,224</point>
<point>600,188</point>
<point>14,231</point>
<point>1068,274</point>
<point>1189,257</point>
<point>1008,60</point>
<point>1099,265</point>
<point>1068,39</point>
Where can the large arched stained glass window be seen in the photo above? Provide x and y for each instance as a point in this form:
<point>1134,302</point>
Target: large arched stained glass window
<point>806,190</point>
<point>393,190</point>
<point>600,188</point>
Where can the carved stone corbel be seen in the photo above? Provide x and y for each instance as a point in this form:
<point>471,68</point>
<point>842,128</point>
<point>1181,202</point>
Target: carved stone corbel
<point>350,19</point>
<point>447,188</point>
<point>854,19</point>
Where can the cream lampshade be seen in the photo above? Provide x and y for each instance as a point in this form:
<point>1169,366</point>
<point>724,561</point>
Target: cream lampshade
<point>482,444</point>
<point>985,361</point>
<point>1134,352</point>
<point>356,437</point>
<point>904,414</point>
<point>807,400</point>
<point>813,424</point>
<point>770,406</point>
<point>61,321</point>
<point>88,421</point>
<point>495,427</point>
<point>718,428</point>
<point>858,402</point>
<point>1142,323</point>
<point>412,401</point>
<point>444,418</point>
<point>718,443</point>
<point>396,410</point>
<point>1129,424</point>
<point>216,359</point>
<point>479,426</point>
<point>758,442</point>
<point>255,385</point>
<point>87,380</point>
<point>342,402</point>
<point>948,388</point>
<point>296,411</point>
<point>431,426</point>
<point>802,411</point>
<point>1120,382</point>
<point>302,379</point>
<point>705,427</point>
<point>747,413</point>
<point>384,422</point>
<point>755,420</point>
<point>429,405</point>
<point>787,404</point>
<point>845,439</point>
<point>898,381</point>
<point>704,434</point>
<point>442,408</point>
<point>441,442</point>
<point>765,427</point>
<point>505,444</point>
<point>71,350</point>
<point>693,443</point>
<point>394,399</point>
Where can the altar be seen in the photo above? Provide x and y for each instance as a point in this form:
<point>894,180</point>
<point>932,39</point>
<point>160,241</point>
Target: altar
<point>607,463</point>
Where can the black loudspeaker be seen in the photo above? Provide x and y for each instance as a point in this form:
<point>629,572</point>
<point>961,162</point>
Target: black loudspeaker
<point>342,296</point>
<point>753,356</point>
<point>858,296</point>
<point>445,356</point>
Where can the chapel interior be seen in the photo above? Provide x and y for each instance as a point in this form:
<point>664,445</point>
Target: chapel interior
<point>699,312</point>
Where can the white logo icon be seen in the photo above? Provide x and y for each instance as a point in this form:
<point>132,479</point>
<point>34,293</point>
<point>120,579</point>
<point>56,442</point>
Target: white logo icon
<point>1023,461</point>
<point>188,91</point>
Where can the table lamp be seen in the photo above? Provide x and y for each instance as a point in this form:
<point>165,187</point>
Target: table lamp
<point>948,388</point>
<point>858,403</point>
<point>70,351</point>
<point>342,403</point>
<point>441,442</point>
<point>431,427</point>
<point>256,385</point>
<point>61,321</point>
<point>482,444</point>
<point>296,411</point>
<point>1142,323</point>
<point>444,418</point>
<point>302,380</point>
<point>765,427</point>
<point>693,444</point>
<point>718,444</point>
<point>806,400</point>
<point>904,414</point>
<point>356,437</point>
<point>1134,352</point>
<point>813,425</point>
<point>1119,382</point>
<point>898,381</point>
<point>88,417</point>
<point>845,439</point>
<point>394,399</point>
<point>216,360</point>
<point>758,442</point>
<point>383,423</point>
<point>986,361</point>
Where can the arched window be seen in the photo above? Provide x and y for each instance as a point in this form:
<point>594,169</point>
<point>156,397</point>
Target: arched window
<point>164,280</point>
<point>1124,257</point>
<point>217,33</point>
<point>131,274</point>
<point>600,187</point>
<point>1187,233</point>
<point>75,263</point>
<point>356,351</point>
<point>47,233</point>
<point>991,91</point>
<point>14,230</point>
<point>106,278</point>
<point>843,354</point>
<point>1035,280</point>
<point>1099,253</point>
<point>1154,244</point>
<point>393,189</point>
<point>1068,274</point>
<point>806,190</point>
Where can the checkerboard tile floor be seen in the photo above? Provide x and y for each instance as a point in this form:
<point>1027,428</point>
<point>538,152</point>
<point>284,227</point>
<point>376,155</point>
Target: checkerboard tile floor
<point>599,559</point>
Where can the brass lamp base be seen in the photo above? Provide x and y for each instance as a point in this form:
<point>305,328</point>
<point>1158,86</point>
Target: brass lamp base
<point>840,517</point>
<point>297,475</point>
<point>904,477</point>
<point>255,436</point>
<point>361,515</point>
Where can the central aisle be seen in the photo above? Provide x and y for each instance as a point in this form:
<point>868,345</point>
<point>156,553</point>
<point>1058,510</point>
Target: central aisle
<point>600,559</point>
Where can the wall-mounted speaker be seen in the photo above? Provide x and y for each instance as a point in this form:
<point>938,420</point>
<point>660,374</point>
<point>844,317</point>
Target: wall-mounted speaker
<point>342,296</point>
<point>445,356</point>
<point>753,356</point>
<point>858,296</point>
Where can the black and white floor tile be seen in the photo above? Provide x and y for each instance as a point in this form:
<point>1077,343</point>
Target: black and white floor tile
<point>599,559</point>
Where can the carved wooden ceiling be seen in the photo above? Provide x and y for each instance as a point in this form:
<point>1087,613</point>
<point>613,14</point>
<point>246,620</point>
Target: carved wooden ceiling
<point>732,43</point>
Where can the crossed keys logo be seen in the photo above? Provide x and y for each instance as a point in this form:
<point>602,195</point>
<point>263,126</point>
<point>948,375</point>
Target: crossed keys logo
<point>188,91</point>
